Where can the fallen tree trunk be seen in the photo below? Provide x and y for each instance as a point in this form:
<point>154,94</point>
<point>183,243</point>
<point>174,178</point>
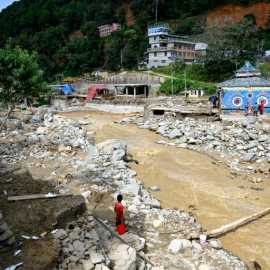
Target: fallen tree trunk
<point>236,224</point>
<point>37,197</point>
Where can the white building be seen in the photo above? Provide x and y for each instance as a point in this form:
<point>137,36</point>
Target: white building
<point>166,48</point>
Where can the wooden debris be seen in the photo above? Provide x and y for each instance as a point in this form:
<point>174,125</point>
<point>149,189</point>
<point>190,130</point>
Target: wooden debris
<point>237,224</point>
<point>37,197</point>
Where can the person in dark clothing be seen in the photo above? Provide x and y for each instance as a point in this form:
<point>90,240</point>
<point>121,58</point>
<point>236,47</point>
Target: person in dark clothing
<point>119,211</point>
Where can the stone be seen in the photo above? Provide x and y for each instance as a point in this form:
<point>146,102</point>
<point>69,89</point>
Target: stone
<point>5,235</point>
<point>175,134</point>
<point>101,267</point>
<point>157,223</point>
<point>154,189</point>
<point>88,265</point>
<point>60,234</point>
<point>75,234</point>
<point>132,188</point>
<point>216,244</point>
<point>248,157</point>
<point>96,257</point>
<point>78,247</point>
<point>205,267</point>
<point>42,130</point>
<point>123,257</point>
<point>134,241</point>
<point>178,245</point>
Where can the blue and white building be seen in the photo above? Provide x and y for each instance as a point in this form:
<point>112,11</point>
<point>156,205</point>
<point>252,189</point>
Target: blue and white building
<point>247,88</point>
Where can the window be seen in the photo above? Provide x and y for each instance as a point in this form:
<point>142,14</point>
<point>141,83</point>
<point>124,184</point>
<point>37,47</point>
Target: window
<point>155,54</point>
<point>165,53</point>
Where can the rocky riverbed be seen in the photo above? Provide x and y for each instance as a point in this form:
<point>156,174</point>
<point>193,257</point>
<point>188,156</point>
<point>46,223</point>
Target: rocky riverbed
<point>244,141</point>
<point>99,172</point>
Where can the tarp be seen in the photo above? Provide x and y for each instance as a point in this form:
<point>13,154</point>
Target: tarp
<point>65,89</point>
<point>92,91</point>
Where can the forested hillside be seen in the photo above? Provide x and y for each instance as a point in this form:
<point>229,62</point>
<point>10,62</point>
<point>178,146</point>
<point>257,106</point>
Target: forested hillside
<point>64,32</point>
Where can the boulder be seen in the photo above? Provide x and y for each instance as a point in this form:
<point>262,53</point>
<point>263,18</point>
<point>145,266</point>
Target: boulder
<point>248,157</point>
<point>216,244</point>
<point>178,245</point>
<point>175,134</point>
<point>134,241</point>
<point>96,257</point>
<point>88,265</point>
<point>60,234</point>
<point>123,257</point>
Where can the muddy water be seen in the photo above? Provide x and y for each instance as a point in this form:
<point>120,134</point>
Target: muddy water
<point>196,183</point>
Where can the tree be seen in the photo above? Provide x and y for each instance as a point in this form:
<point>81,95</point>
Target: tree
<point>20,78</point>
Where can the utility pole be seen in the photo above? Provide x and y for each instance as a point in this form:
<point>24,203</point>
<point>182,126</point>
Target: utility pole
<point>156,11</point>
<point>185,78</point>
<point>121,58</point>
<point>172,78</point>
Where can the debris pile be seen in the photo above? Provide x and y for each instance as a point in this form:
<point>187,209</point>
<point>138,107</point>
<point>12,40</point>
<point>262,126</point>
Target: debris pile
<point>247,140</point>
<point>99,173</point>
<point>7,239</point>
<point>164,235</point>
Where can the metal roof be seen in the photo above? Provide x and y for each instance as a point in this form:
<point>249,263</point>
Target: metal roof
<point>247,68</point>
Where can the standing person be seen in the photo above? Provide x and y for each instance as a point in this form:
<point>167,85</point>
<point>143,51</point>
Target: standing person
<point>119,211</point>
<point>261,107</point>
<point>255,111</point>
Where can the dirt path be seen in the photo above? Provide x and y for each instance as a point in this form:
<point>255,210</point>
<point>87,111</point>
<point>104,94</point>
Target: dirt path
<point>194,182</point>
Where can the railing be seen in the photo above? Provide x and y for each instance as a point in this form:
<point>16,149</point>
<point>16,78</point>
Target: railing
<point>147,80</point>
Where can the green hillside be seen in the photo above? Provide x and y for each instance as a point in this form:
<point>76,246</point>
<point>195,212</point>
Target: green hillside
<point>64,32</point>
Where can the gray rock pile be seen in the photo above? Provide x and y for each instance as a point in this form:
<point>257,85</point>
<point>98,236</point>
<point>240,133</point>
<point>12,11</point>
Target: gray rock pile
<point>162,234</point>
<point>86,246</point>
<point>55,131</point>
<point>248,140</point>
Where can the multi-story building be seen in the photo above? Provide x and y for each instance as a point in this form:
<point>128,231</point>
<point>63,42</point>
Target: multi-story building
<point>106,29</point>
<point>166,48</point>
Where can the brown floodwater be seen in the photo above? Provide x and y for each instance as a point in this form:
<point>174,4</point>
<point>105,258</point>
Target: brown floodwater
<point>194,182</point>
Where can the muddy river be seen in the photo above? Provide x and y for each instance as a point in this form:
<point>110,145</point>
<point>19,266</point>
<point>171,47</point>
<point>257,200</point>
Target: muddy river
<point>194,182</point>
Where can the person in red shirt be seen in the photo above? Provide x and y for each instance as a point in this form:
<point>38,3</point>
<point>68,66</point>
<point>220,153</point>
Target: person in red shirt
<point>119,210</point>
<point>261,107</point>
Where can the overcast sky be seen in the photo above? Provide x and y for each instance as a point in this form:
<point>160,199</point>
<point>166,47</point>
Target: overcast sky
<point>5,3</point>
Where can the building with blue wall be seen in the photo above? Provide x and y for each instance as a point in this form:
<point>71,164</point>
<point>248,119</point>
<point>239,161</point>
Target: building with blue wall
<point>247,88</point>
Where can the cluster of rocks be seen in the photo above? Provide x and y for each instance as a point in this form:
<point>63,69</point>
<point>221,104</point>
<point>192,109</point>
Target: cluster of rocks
<point>161,235</point>
<point>36,140</point>
<point>248,139</point>
<point>164,233</point>
<point>7,239</point>
<point>85,245</point>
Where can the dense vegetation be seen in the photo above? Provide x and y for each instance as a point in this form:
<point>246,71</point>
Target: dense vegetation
<point>20,78</point>
<point>64,33</point>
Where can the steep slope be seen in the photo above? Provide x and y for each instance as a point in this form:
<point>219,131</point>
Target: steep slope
<point>64,32</point>
<point>230,14</point>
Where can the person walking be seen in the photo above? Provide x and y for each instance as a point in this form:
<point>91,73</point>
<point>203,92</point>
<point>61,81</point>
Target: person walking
<point>119,215</point>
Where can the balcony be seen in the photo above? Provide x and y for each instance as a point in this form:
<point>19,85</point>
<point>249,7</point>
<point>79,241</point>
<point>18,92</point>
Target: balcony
<point>160,49</point>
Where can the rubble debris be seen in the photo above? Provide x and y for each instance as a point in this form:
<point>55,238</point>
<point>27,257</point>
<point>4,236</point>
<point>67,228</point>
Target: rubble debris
<point>7,239</point>
<point>100,172</point>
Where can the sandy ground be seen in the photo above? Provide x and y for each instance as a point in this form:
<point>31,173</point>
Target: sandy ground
<point>194,182</point>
